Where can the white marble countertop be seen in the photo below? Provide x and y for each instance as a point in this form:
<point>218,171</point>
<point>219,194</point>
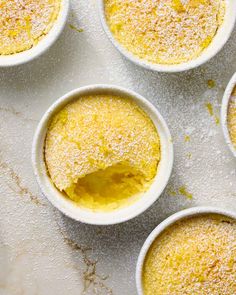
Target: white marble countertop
<point>43,252</point>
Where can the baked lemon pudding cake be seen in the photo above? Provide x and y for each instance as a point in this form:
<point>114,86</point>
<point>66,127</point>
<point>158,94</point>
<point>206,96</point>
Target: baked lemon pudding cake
<point>23,23</point>
<point>193,256</point>
<point>102,151</point>
<point>164,31</point>
<point>232,117</point>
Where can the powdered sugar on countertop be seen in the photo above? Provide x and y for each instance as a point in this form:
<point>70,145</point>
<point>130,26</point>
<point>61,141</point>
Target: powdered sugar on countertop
<point>32,233</point>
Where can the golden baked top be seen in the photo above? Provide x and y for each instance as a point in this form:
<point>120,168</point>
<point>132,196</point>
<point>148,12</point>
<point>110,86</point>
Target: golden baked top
<point>102,147</point>
<point>24,22</point>
<point>193,256</point>
<point>164,31</point>
<point>232,118</point>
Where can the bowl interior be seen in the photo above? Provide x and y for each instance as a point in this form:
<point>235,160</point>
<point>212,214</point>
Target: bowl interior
<point>216,45</point>
<point>43,45</point>
<point>224,113</point>
<point>87,216</point>
<point>164,225</point>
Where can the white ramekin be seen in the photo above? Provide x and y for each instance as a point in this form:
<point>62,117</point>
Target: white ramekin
<point>68,207</point>
<point>216,45</point>
<point>43,45</point>
<point>224,113</point>
<point>165,224</point>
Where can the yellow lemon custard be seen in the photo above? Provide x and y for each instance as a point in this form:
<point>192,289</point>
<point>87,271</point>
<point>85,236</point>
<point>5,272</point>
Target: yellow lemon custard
<point>195,256</point>
<point>102,151</point>
<point>24,22</point>
<point>232,118</point>
<point>164,31</point>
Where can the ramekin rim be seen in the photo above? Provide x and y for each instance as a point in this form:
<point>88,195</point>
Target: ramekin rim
<point>172,219</point>
<point>69,97</point>
<point>47,41</point>
<point>224,113</point>
<point>175,68</point>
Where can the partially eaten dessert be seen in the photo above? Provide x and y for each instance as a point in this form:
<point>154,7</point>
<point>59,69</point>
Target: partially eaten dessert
<point>102,151</point>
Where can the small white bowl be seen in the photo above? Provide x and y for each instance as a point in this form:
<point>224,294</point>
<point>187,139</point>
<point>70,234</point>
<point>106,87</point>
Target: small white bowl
<point>43,45</point>
<point>224,113</point>
<point>68,207</point>
<point>164,225</point>
<point>216,45</point>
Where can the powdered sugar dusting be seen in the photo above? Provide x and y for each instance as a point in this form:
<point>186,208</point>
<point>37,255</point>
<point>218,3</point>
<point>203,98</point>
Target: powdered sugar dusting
<point>193,256</point>
<point>24,22</point>
<point>232,117</point>
<point>204,165</point>
<point>164,32</point>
